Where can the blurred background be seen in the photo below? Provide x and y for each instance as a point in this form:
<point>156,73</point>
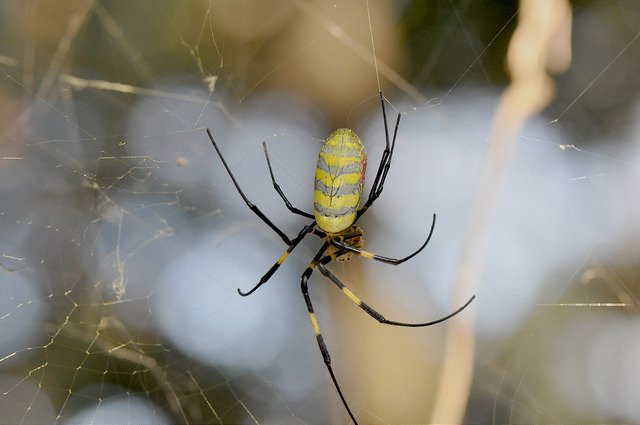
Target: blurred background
<point>122,239</point>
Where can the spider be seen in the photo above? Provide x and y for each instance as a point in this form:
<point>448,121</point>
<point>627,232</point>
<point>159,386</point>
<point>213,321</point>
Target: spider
<point>339,181</point>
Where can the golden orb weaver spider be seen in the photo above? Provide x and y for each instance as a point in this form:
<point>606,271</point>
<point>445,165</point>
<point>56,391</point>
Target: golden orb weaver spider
<point>339,181</point>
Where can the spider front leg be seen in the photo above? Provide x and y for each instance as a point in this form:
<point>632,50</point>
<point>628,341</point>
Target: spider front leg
<point>251,206</point>
<point>385,161</point>
<point>305,230</point>
<point>276,186</point>
<point>316,327</point>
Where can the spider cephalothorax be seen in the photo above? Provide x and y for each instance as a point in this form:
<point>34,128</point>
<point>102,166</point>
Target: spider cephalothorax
<point>338,187</point>
<point>351,236</point>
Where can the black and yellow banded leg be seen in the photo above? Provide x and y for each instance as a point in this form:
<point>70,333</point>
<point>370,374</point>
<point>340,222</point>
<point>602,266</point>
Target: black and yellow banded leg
<point>388,260</point>
<point>371,311</point>
<point>305,230</point>
<point>316,327</point>
<point>276,186</point>
<point>251,206</point>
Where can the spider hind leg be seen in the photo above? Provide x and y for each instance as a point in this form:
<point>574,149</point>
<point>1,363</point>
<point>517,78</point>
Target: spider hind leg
<point>321,256</point>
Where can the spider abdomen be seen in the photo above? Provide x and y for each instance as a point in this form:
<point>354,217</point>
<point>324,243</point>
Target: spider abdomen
<point>339,180</point>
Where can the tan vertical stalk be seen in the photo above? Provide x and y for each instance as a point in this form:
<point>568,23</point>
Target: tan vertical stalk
<point>540,44</point>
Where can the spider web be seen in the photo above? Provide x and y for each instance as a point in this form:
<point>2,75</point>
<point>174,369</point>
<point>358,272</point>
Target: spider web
<point>123,241</point>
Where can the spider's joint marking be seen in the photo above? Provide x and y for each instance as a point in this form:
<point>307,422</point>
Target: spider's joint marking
<point>351,295</point>
<point>283,257</point>
<point>367,254</point>
<point>314,323</point>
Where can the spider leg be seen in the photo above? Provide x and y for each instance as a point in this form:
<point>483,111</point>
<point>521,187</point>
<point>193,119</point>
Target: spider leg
<point>388,260</point>
<point>251,206</point>
<point>372,312</point>
<point>305,230</point>
<point>276,186</point>
<point>316,327</point>
<point>385,161</point>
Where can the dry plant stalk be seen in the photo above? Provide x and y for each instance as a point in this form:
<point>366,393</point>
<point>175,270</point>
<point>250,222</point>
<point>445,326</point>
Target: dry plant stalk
<point>540,44</point>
